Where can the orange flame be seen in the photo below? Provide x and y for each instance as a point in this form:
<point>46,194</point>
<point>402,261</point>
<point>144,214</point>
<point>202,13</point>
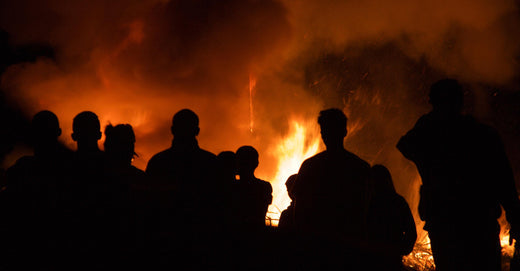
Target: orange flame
<point>301,142</point>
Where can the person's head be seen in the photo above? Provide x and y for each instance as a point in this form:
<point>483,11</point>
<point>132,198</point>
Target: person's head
<point>86,129</point>
<point>447,96</point>
<point>289,184</point>
<point>333,127</point>
<point>185,124</point>
<point>382,180</point>
<point>45,128</point>
<point>247,160</point>
<point>120,143</point>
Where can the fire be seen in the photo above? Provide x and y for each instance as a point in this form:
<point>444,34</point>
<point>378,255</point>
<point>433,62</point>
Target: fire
<point>302,142</point>
<point>508,249</point>
<point>421,257</point>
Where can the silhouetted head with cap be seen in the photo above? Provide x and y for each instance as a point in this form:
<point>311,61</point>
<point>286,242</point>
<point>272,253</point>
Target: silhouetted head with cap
<point>247,162</point>
<point>447,97</point>
<point>333,128</point>
<point>45,130</point>
<point>86,131</point>
<point>185,125</point>
<point>120,143</point>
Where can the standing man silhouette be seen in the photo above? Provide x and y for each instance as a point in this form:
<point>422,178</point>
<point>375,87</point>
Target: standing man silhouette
<point>331,195</point>
<point>33,195</point>
<point>255,195</point>
<point>183,178</point>
<point>466,176</point>
<point>85,194</point>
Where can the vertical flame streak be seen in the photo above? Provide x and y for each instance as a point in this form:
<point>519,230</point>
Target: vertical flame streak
<point>301,143</point>
<point>252,84</point>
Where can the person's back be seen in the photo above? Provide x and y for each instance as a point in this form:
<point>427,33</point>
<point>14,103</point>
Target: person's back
<point>331,197</point>
<point>286,222</point>
<point>34,187</point>
<point>391,227</point>
<point>34,180</point>
<point>124,198</point>
<point>465,175</point>
<point>85,193</point>
<point>255,195</point>
<point>183,175</point>
<point>331,192</point>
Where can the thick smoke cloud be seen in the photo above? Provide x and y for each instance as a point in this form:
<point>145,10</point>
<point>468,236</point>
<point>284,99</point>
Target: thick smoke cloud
<point>473,40</point>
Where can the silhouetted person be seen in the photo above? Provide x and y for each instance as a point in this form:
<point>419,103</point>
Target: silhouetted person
<point>183,177</point>
<point>87,193</point>
<point>33,190</point>
<point>120,151</point>
<point>124,180</point>
<point>287,217</point>
<point>254,195</point>
<point>466,176</point>
<point>391,227</point>
<point>251,198</point>
<point>331,197</point>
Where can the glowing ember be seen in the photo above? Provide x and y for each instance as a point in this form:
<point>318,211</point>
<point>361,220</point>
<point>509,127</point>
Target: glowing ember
<point>302,142</point>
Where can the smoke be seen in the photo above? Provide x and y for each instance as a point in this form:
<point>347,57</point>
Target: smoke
<point>139,62</point>
<point>471,40</point>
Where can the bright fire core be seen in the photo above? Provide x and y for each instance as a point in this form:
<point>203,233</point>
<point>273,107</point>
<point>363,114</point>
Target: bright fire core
<point>301,142</point>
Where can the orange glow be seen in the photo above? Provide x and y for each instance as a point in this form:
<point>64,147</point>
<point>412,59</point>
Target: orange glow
<point>302,142</point>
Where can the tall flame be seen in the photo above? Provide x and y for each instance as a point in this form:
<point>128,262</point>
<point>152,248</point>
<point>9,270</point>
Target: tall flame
<point>302,142</point>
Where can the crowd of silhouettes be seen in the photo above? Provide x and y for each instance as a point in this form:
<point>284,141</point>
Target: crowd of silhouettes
<point>193,210</point>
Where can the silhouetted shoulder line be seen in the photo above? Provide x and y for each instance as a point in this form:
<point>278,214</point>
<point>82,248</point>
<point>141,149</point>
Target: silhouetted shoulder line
<point>162,154</point>
<point>358,159</point>
<point>208,153</point>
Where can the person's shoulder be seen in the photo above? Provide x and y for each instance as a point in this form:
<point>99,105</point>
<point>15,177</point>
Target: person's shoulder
<point>480,129</point>
<point>136,171</point>
<point>158,159</point>
<point>263,183</point>
<point>23,163</point>
<point>314,159</point>
<point>485,128</point>
<point>207,154</point>
<point>357,160</point>
<point>22,166</point>
<point>400,202</point>
<point>165,154</point>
